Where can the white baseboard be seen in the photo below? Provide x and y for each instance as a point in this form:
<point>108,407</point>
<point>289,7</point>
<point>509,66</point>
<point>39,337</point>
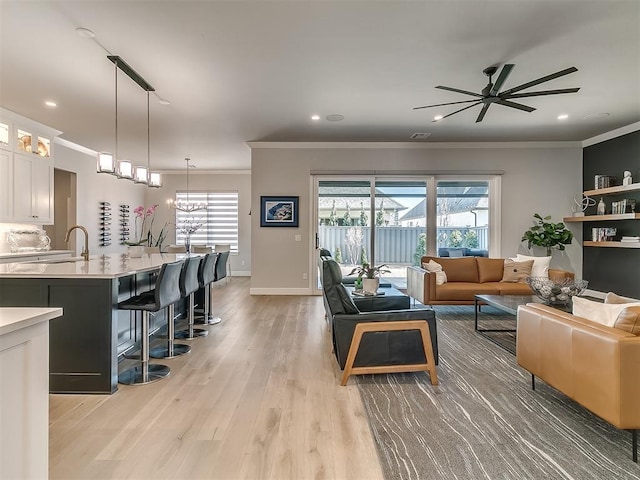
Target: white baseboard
<point>237,273</point>
<point>280,291</point>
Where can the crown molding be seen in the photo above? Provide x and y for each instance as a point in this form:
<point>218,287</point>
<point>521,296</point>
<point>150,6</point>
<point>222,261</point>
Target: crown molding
<point>618,132</point>
<point>413,145</point>
<point>74,146</point>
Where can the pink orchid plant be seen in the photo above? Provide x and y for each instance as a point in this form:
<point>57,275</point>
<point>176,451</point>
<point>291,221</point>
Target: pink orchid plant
<point>146,237</point>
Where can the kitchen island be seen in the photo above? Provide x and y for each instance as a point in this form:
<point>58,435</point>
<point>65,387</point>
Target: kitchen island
<point>87,340</point>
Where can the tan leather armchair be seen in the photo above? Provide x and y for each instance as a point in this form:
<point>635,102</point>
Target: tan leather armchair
<point>595,365</point>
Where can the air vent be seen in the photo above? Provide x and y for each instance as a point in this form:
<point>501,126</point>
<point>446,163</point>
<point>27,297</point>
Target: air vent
<point>420,136</point>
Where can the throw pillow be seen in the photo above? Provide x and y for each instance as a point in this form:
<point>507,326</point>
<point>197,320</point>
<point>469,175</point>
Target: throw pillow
<point>629,320</point>
<point>613,298</point>
<point>540,265</point>
<point>516,272</point>
<point>435,267</point>
<point>603,313</point>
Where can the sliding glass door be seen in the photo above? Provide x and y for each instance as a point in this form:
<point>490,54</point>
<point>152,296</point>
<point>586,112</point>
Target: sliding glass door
<point>397,220</point>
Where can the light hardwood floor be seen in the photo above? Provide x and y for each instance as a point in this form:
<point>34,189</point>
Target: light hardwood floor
<point>259,398</point>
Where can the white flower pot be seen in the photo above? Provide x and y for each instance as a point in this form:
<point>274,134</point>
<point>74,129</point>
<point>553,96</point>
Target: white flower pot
<point>370,285</point>
<point>136,251</point>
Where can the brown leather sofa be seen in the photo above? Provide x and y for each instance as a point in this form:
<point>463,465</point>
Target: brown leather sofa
<point>595,365</point>
<point>466,277</point>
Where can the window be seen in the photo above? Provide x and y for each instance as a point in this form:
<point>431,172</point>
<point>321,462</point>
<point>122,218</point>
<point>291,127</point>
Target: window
<point>219,222</point>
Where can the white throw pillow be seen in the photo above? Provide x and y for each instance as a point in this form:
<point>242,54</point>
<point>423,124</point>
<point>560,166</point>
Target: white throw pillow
<point>435,267</point>
<point>540,265</point>
<point>613,298</point>
<point>604,313</point>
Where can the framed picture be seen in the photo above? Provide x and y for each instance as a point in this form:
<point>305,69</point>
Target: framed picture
<point>278,211</point>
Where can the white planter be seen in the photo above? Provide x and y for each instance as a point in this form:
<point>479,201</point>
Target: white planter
<point>136,251</point>
<point>370,285</point>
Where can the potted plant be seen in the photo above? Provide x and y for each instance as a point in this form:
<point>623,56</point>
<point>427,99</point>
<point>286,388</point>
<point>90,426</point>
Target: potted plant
<point>547,234</point>
<point>370,276</point>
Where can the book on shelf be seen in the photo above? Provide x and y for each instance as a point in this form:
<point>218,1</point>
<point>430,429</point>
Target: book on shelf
<point>630,239</point>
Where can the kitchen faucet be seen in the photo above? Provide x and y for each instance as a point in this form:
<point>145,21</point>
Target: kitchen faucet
<point>85,252</point>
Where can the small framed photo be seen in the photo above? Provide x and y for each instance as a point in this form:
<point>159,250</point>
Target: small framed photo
<point>278,211</point>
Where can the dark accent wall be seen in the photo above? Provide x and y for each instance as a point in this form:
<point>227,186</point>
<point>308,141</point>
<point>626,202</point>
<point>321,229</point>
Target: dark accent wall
<point>613,269</point>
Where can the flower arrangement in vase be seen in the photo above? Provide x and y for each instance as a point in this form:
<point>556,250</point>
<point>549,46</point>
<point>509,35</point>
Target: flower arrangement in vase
<point>144,219</point>
<point>188,228</point>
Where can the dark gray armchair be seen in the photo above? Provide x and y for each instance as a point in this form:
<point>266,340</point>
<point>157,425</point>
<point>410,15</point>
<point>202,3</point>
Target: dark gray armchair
<point>377,341</point>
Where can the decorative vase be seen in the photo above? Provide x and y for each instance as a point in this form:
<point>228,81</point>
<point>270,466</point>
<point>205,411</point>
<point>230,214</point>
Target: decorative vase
<point>136,251</point>
<point>370,285</point>
<point>187,244</point>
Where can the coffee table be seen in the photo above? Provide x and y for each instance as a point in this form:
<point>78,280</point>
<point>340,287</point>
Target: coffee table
<point>388,298</point>
<point>508,304</point>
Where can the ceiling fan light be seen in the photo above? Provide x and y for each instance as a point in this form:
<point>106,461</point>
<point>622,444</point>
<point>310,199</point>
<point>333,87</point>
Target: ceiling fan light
<point>140,175</point>
<point>105,163</point>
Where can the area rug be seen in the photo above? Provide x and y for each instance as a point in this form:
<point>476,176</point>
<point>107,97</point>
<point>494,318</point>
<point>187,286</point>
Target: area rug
<point>483,421</point>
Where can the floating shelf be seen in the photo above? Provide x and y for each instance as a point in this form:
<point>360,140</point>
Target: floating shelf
<point>634,187</point>
<point>602,218</point>
<point>613,244</point>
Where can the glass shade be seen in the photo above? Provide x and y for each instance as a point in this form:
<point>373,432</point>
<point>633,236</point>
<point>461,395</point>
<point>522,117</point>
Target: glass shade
<point>141,175</point>
<point>106,163</point>
<point>125,169</point>
<point>155,180</point>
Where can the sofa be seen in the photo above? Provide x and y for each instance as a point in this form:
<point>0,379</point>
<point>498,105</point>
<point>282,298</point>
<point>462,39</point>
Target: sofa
<point>396,347</point>
<point>595,365</point>
<point>466,278</point>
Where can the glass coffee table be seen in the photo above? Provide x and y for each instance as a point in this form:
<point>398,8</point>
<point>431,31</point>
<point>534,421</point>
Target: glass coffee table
<point>508,304</point>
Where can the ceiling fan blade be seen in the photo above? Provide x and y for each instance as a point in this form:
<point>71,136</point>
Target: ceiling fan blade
<point>504,74</point>
<point>532,83</point>
<point>458,111</point>
<point>483,112</point>
<point>443,104</point>
<point>459,91</point>
<point>519,106</point>
<point>542,92</point>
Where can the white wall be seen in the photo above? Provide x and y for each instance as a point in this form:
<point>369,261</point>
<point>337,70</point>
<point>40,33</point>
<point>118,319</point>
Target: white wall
<point>239,182</point>
<point>93,188</point>
<point>538,178</point>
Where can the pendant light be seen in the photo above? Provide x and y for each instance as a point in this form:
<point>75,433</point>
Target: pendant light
<point>188,206</point>
<point>153,178</point>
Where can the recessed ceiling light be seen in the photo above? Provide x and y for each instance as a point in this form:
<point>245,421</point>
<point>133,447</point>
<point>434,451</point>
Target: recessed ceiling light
<point>49,103</point>
<point>162,101</point>
<point>85,32</point>
<point>315,117</point>
<point>334,117</point>
<point>437,117</point>
<point>563,116</point>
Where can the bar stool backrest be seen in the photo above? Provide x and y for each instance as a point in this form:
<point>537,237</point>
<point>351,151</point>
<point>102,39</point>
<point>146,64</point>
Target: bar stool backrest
<point>206,272</point>
<point>221,266</point>
<point>167,284</point>
<point>189,276</point>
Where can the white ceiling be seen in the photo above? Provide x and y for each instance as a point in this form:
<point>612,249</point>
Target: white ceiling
<point>243,71</point>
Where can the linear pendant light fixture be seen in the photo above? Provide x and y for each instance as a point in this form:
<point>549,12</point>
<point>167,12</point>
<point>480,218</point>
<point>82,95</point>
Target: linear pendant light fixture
<point>106,162</point>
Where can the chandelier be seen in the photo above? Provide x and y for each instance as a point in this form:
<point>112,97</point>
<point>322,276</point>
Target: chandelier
<point>187,206</point>
<point>121,168</point>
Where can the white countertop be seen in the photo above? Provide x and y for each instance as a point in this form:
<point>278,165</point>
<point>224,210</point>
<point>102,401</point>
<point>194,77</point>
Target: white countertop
<point>16,318</point>
<point>99,266</point>
<point>34,254</point>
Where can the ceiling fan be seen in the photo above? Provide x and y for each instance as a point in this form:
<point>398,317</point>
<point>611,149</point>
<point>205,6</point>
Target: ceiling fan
<point>491,93</point>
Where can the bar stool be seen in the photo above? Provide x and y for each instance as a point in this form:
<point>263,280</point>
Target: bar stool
<point>206,276</point>
<point>220,273</point>
<point>164,295</point>
<point>188,285</point>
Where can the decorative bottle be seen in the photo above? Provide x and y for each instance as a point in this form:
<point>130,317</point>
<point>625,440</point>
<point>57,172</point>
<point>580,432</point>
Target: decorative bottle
<point>601,207</point>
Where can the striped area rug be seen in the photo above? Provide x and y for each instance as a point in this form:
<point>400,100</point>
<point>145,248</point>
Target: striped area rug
<point>483,421</point>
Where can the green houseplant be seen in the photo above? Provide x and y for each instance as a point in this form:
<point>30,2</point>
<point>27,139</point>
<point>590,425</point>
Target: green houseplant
<point>370,276</point>
<point>547,234</point>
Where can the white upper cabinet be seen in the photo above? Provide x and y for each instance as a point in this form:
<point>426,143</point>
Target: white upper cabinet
<point>26,170</point>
